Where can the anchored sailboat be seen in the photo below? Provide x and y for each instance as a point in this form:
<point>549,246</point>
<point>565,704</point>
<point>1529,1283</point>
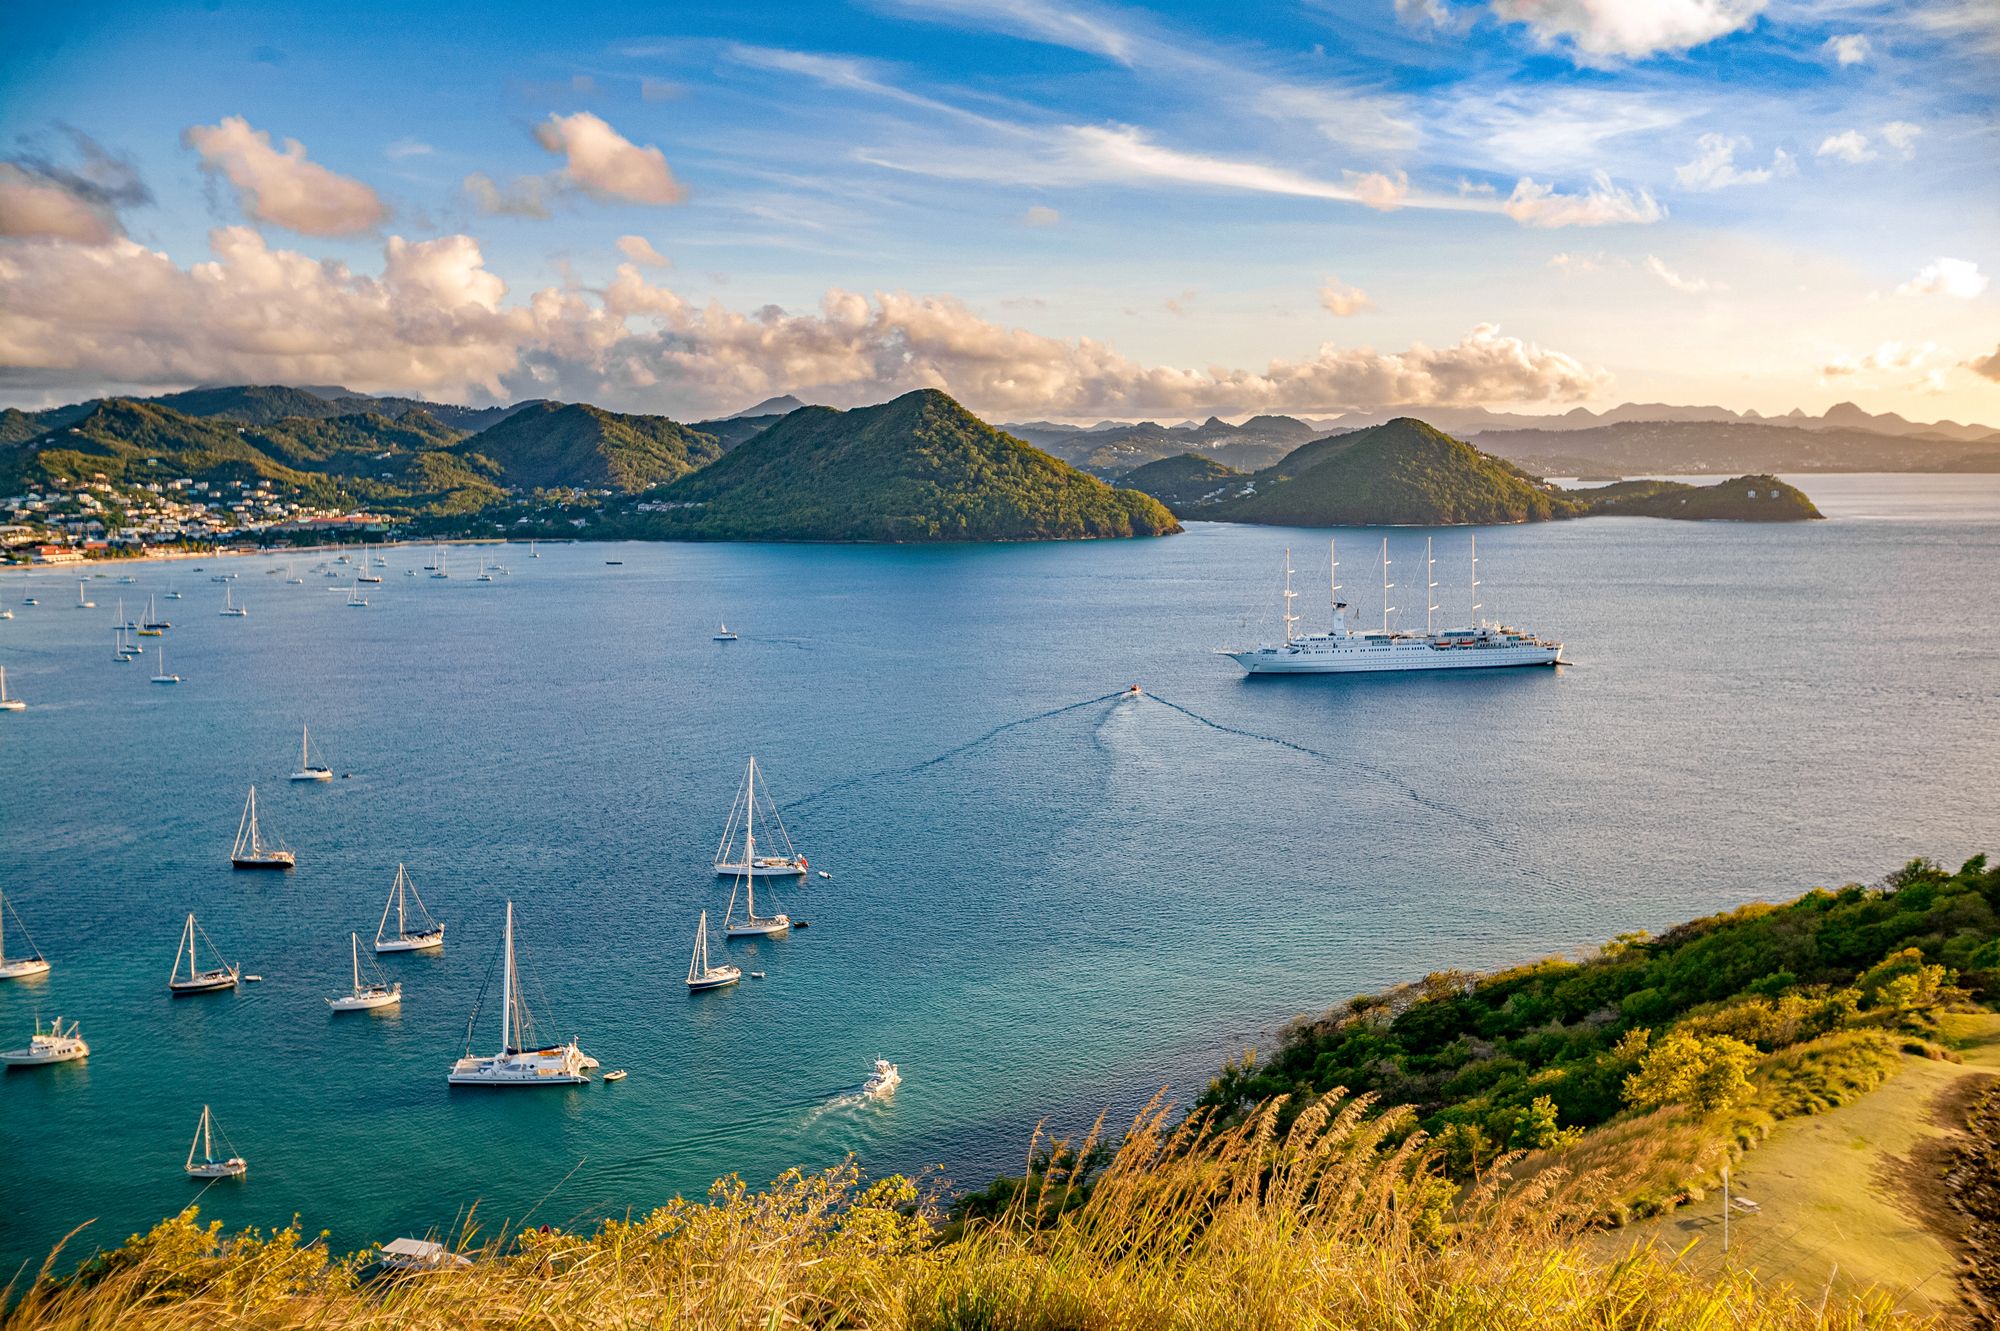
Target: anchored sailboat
<point>25,967</point>
<point>163,677</point>
<point>427,937</point>
<point>235,1166</point>
<point>229,607</point>
<point>701,975</point>
<point>251,851</point>
<point>9,703</point>
<point>743,813</point>
<point>517,1064</point>
<point>82,604</point>
<point>308,769</point>
<point>365,996</point>
<point>724,634</point>
<point>222,975</point>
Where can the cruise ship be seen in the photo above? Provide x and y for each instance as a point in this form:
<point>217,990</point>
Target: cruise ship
<point>1346,650</point>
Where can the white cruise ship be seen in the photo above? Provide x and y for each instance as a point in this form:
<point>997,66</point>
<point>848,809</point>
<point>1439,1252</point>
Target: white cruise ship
<point>1346,650</point>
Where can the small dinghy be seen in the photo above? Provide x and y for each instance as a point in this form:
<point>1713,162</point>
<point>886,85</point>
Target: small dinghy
<point>616,1074</point>
<point>232,1166</point>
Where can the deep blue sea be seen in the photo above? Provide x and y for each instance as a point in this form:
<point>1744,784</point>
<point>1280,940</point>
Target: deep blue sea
<point>1046,900</point>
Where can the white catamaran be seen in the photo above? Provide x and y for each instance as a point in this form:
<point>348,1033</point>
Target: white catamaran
<point>743,817</point>
<point>222,975</point>
<point>376,993</point>
<point>251,850</point>
<point>428,936</point>
<point>233,1166</point>
<point>517,1064</point>
<point>1343,650</point>
<point>308,769</point>
<point>702,975</point>
<point>21,968</point>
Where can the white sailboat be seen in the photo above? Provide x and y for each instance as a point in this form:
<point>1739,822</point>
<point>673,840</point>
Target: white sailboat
<point>251,851</point>
<point>366,996</point>
<point>25,967</point>
<point>438,569</point>
<point>533,553</point>
<point>428,936</point>
<point>55,1045</point>
<point>723,634</point>
<point>9,703</point>
<point>517,1064</point>
<point>701,975</point>
<point>292,579</point>
<point>230,609</point>
<point>222,975</point>
<point>152,626</point>
<point>163,677</point>
<point>752,925</point>
<point>308,769</point>
<point>484,576</point>
<point>82,604</point>
<point>743,814</point>
<point>355,600</point>
<point>233,1166</point>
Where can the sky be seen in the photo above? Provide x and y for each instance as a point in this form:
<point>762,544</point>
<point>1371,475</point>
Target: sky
<point>1052,211</point>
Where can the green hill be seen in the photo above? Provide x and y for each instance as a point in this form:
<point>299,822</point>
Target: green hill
<point>920,468</point>
<point>552,444</point>
<point>1403,472</point>
<point>1745,499</point>
<point>1183,482</point>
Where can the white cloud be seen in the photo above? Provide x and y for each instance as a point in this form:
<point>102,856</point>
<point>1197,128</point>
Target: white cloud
<point>437,321</point>
<point>605,164</point>
<point>35,205</point>
<point>284,188</point>
<point>1848,48</point>
<point>1688,286</point>
<point>1887,358</point>
<point>640,251</point>
<point>1850,146</point>
<point>1342,300</point>
<point>1041,215</point>
<point>1960,278</point>
<point>1714,165</point>
<point>1902,136</point>
<point>1604,204</point>
<point>1599,31</point>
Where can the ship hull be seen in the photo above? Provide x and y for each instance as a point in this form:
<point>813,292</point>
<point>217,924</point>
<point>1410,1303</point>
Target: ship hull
<point>1359,661</point>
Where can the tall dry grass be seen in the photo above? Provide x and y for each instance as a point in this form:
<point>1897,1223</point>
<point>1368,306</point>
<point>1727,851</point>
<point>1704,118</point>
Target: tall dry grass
<point>1339,1223</point>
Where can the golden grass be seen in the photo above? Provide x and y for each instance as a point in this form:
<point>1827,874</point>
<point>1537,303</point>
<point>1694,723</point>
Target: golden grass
<point>1341,1223</point>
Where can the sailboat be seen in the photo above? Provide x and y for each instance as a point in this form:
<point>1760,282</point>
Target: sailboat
<point>222,975</point>
<point>234,1166</point>
<point>427,937</point>
<point>250,851</point>
<point>8,703</point>
<point>163,677</point>
<point>484,576</point>
<point>533,553</point>
<point>437,569</point>
<point>26,967</point>
<point>752,925</point>
<point>308,769</point>
<point>355,600</point>
<point>152,626</point>
<point>365,996</point>
<point>744,812</point>
<point>55,1045</point>
<point>701,975</point>
<point>517,1064</point>
<point>366,576</point>
<point>121,650</point>
<point>82,604</point>
<point>229,607</point>
<point>172,595</point>
<point>723,634</point>
<point>292,579</point>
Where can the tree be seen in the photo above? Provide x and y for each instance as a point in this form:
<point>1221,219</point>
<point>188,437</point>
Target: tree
<point>1707,1073</point>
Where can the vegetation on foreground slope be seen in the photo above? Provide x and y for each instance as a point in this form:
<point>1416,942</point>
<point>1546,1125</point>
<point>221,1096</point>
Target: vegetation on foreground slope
<point>1334,1223</point>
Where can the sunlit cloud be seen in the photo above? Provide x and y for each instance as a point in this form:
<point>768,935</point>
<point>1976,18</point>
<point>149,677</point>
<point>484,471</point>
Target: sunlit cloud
<point>283,186</point>
<point>1958,278</point>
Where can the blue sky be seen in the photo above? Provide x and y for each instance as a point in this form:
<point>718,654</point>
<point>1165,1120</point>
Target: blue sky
<point>1064,211</point>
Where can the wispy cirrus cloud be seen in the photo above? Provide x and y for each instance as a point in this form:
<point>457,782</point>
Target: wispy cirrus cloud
<point>1603,204</point>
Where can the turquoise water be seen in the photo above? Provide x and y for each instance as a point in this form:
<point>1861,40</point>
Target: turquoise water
<point>1046,900</point>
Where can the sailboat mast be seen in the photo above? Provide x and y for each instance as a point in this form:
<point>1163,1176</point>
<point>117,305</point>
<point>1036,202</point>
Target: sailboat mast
<point>507,988</point>
<point>402,926</point>
<point>1290,595</point>
<point>1477,619</point>
<point>1333,578</point>
<point>355,939</point>
<point>1386,585</point>
<point>750,839</point>
<point>1430,590</point>
<point>207,1139</point>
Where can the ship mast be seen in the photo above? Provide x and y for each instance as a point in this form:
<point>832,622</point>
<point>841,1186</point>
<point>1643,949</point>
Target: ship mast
<point>1431,590</point>
<point>1290,595</point>
<point>507,988</point>
<point>1476,620</point>
<point>1386,585</point>
<point>1333,580</point>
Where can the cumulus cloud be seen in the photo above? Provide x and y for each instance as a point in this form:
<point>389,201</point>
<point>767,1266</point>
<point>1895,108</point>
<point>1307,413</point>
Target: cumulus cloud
<point>1887,358</point>
<point>1946,277</point>
<point>1987,366</point>
<point>1687,286</point>
<point>605,164</point>
<point>1341,300</point>
<point>1848,48</point>
<point>1714,165</point>
<point>80,202</point>
<point>1601,31</point>
<point>1041,215</point>
<point>640,250</point>
<point>437,321</point>
<point>1604,204</point>
<point>284,188</point>
<point>1850,146</point>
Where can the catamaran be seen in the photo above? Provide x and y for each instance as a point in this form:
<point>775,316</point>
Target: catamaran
<point>251,851</point>
<point>230,609</point>
<point>308,769</point>
<point>1343,649</point>
<point>743,813</point>
<point>9,703</point>
<point>234,1166</point>
<point>163,677</point>
<point>427,937</point>
<point>222,975</point>
<point>701,975</point>
<point>518,1064</point>
<point>362,997</point>
<point>55,1045</point>
<point>25,967</point>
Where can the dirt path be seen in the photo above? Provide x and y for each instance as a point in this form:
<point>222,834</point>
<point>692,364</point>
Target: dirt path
<point>1854,1197</point>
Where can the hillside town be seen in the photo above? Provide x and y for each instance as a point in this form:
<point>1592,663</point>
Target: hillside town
<point>70,521</point>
